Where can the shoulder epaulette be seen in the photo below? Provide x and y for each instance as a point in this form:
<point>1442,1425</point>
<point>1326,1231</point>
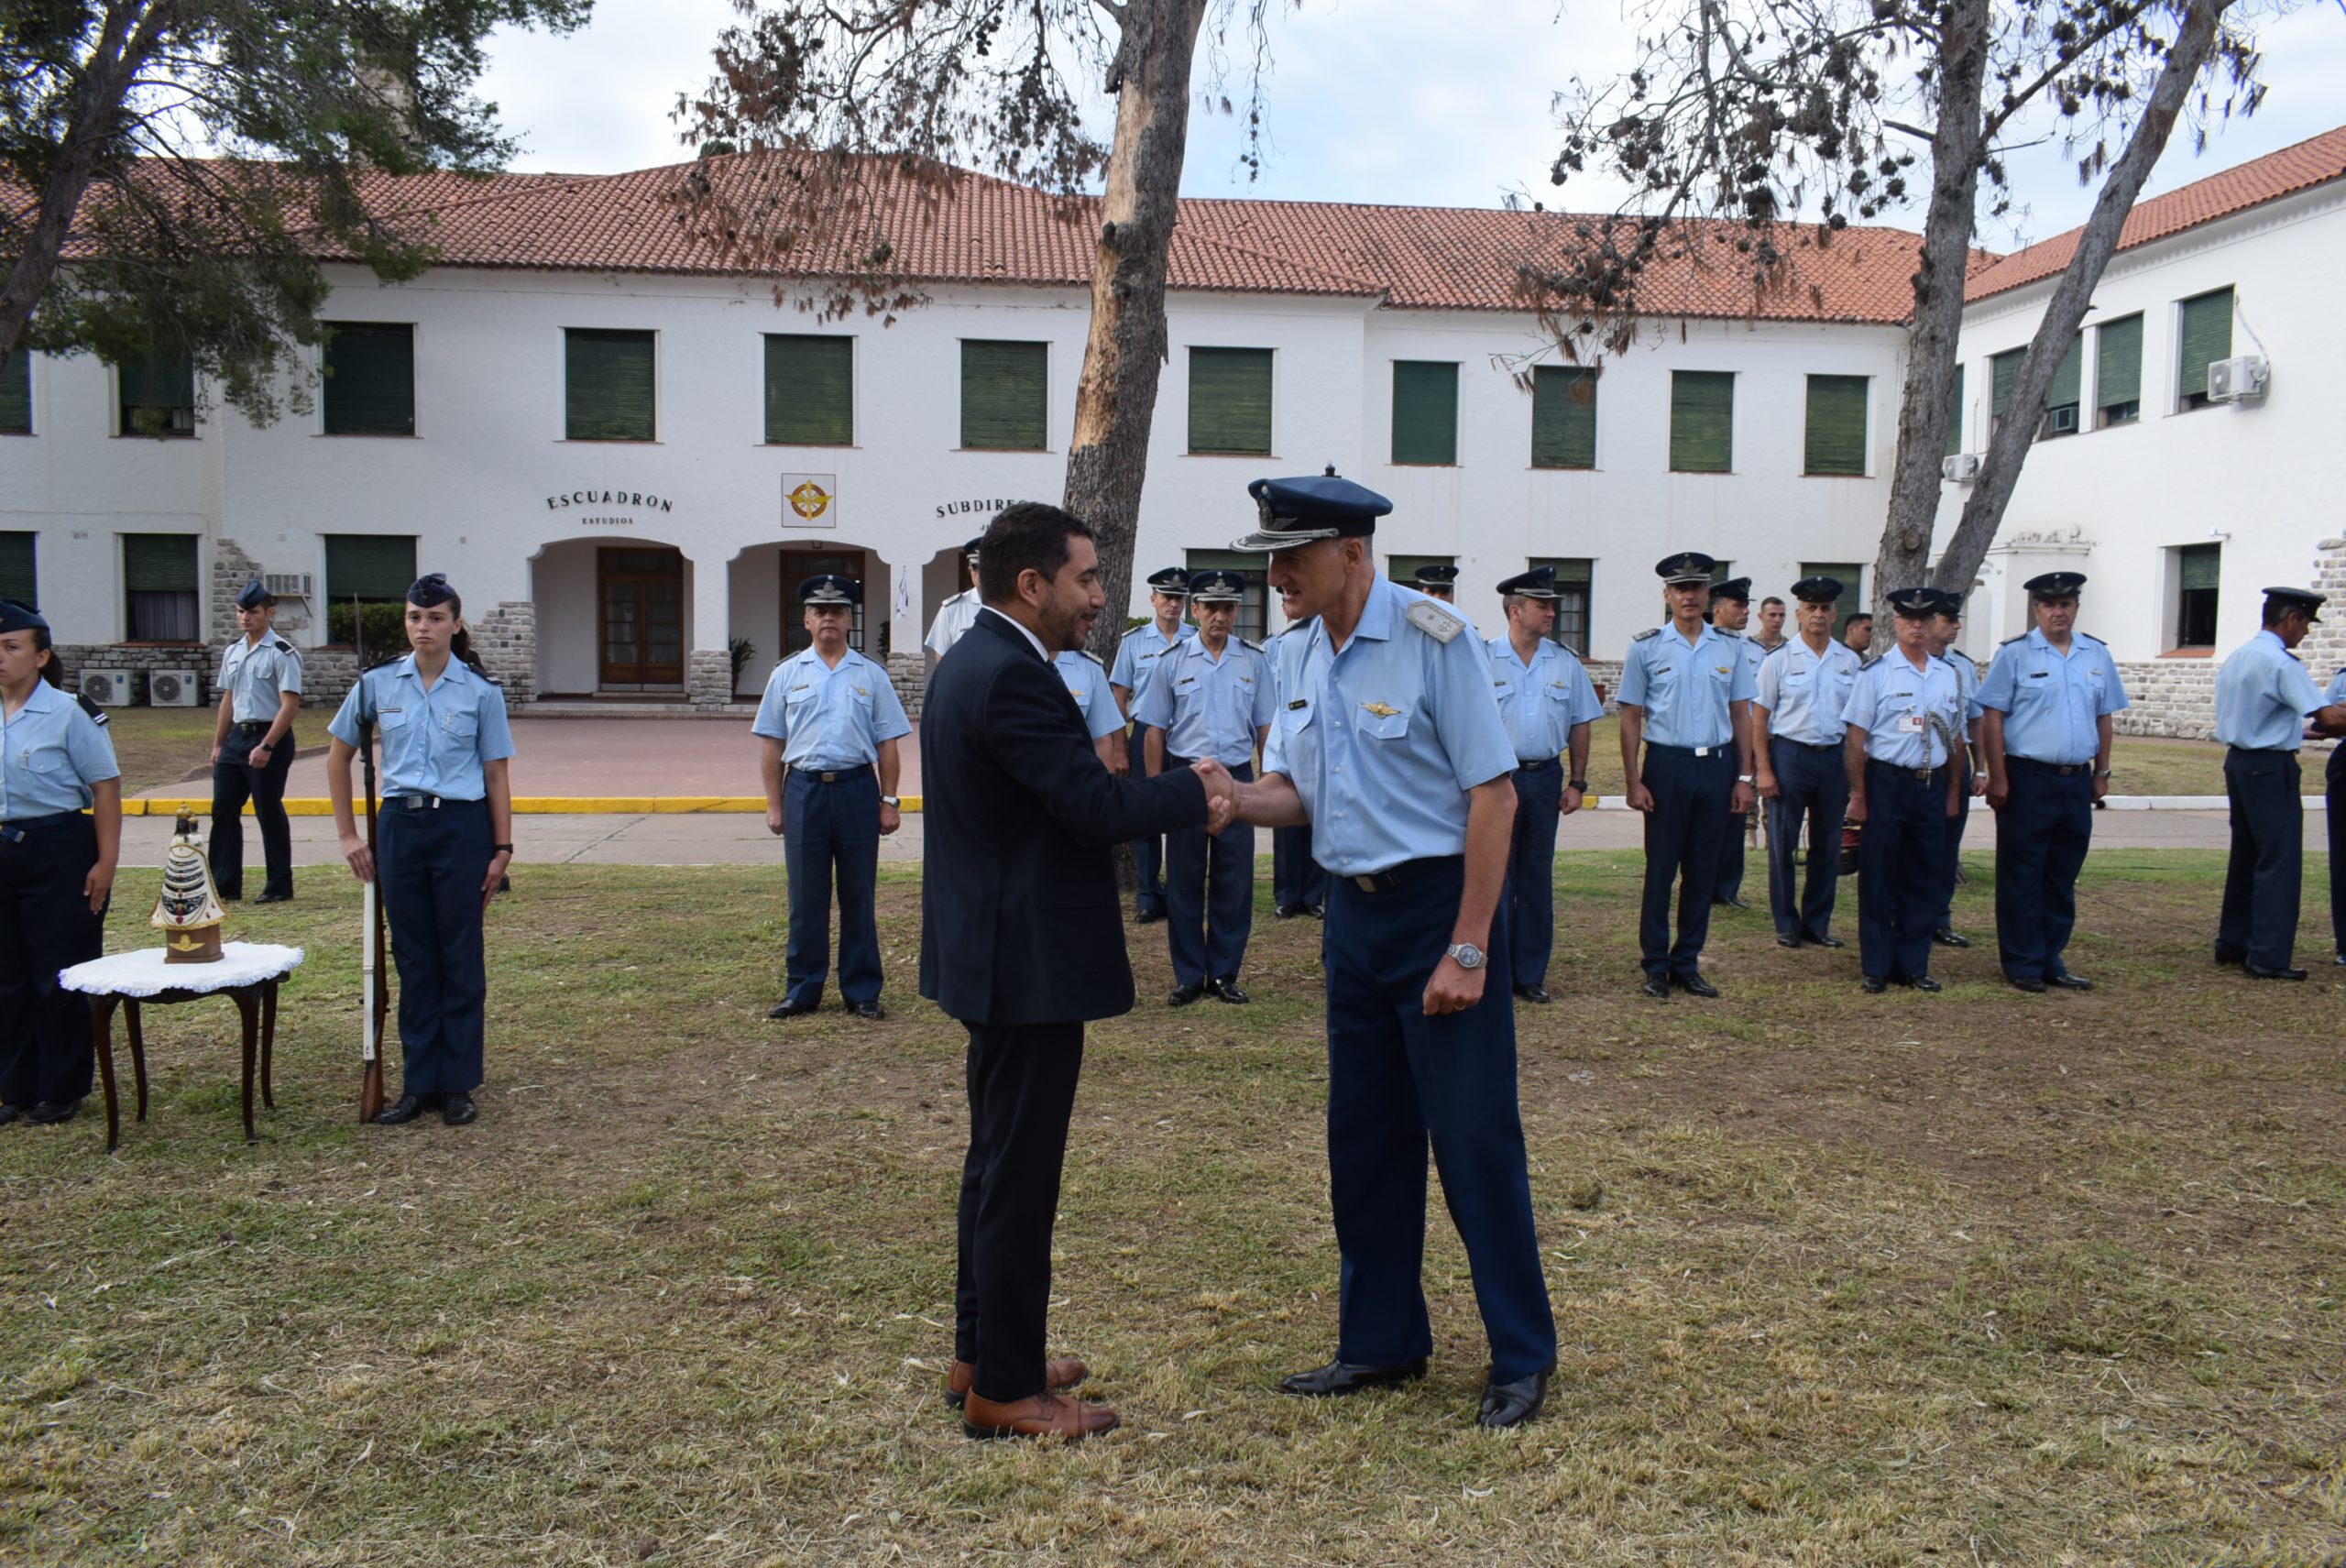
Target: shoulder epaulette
<point>1959,653</point>
<point>1649,632</point>
<point>1870,661</point>
<point>285,647</point>
<point>1435,619</point>
<point>2010,640</point>
<point>1256,646</point>
<point>2089,637</point>
<point>97,715</point>
<point>1094,657</point>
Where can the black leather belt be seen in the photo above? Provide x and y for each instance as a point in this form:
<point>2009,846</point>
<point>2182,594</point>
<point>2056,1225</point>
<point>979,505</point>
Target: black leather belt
<point>15,831</point>
<point>2058,770</point>
<point>1808,745</point>
<point>1537,764</point>
<point>1394,878</point>
<point>419,802</point>
<point>253,726</point>
<point>1925,774</point>
<point>2261,751</point>
<point>837,776</point>
<point>1721,750</point>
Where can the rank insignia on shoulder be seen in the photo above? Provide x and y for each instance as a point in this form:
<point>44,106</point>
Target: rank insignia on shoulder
<point>1256,646</point>
<point>1381,709</point>
<point>1436,620</point>
<point>97,715</point>
<point>283,646</point>
<point>1298,705</point>
<point>2022,638</point>
<point>1094,658</point>
<point>1649,632</point>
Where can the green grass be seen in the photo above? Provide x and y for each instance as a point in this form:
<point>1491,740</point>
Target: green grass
<point>162,745</point>
<point>1978,1278</point>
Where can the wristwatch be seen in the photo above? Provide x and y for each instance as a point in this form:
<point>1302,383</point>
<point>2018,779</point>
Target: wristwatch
<point>1580,785</point>
<point>1468,955</point>
<point>2101,772</point>
<point>1743,778</point>
<point>890,800</point>
<point>501,849</point>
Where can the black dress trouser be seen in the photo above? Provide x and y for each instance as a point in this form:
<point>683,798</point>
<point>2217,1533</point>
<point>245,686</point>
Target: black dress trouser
<point>2262,879</point>
<point>46,926</point>
<point>234,781</point>
<point>2336,790</point>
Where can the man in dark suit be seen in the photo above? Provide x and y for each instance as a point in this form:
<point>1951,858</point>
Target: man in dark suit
<point>1023,940</point>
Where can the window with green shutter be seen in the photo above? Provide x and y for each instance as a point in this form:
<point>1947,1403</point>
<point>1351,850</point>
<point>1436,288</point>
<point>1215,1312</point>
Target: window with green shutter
<point>17,394</point>
<point>1425,412</point>
<point>1837,425</point>
<point>2206,336</point>
<point>158,396</point>
<point>369,575</point>
<point>1005,395</point>
<point>1701,422</point>
<point>810,390</point>
<point>1574,573</point>
<point>2061,398</point>
<point>19,581</point>
<point>370,378</point>
<point>1563,417</point>
<point>608,390</point>
<point>1955,416</point>
<point>1229,400</point>
<point>2200,573</point>
<point>2003,370</point>
<point>159,587</point>
<point>2118,372</point>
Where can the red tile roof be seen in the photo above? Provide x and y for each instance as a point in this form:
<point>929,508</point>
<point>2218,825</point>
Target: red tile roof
<point>2309,163</point>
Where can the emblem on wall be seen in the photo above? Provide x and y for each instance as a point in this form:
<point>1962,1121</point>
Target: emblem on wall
<point>810,500</point>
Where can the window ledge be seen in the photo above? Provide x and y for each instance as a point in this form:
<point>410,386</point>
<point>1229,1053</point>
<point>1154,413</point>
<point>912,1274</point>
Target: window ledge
<point>128,644</point>
<point>1251,456</point>
<point>367,436</point>
<point>1813,476</point>
<point>808,446</point>
<point>1561,468</point>
<point>607,441</point>
<point>1025,450</point>
<point>150,440</point>
<point>2188,653</point>
<point>1400,465</point>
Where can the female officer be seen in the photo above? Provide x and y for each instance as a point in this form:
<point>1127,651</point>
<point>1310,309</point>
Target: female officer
<point>445,826</point>
<point>61,830</point>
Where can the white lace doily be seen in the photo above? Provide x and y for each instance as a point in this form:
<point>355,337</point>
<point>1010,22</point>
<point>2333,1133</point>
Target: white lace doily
<point>143,972</point>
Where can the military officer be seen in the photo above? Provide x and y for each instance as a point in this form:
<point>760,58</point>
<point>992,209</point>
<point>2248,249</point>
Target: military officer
<point>446,831</point>
<point>60,833</point>
<point>2263,701</point>
<point>954,616</point>
<point>253,748</point>
<point>1686,690</point>
<point>2336,791</point>
<point>1945,626</point>
<point>1857,635</point>
<point>1136,660</point>
<point>1904,719</point>
<point>1549,703</point>
<point>1797,732</point>
<point>2045,734</point>
<point>1389,740</point>
<point>1770,635</point>
<point>1086,682</point>
<point>1437,580</point>
<point>1213,699</point>
<point>1730,611</point>
<point>831,721</point>
<point>1299,883</point>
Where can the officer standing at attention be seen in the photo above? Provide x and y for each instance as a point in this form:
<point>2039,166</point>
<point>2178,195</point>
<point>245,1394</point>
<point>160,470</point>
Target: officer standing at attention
<point>445,828</point>
<point>1136,660</point>
<point>1971,768</point>
<point>2045,734</point>
<point>1770,635</point>
<point>1389,742</point>
<point>1548,703</point>
<point>1686,691</point>
<point>1904,722</point>
<point>1212,699</point>
<point>1103,720</point>
<point>954,616</point>
<point>831,721</point>
<point>1730,611</point>
<point>60,833</point>
<point>1299,883</point>
<point>2336,792</point>
<point>2263,702</point>
<point>253,747</point>
<point>1797,730</point>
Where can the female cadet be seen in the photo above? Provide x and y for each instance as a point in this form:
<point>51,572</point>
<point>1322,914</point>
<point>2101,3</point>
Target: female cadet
<point>61,831</point>
<point>445,826</point>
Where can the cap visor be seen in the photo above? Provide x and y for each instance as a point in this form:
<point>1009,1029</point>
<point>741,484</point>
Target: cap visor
<point>1282,538</point>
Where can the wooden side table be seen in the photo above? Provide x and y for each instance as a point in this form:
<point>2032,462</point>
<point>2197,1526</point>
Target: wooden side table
<point>248,973</point>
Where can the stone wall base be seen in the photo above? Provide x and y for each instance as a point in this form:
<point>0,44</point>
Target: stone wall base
<point>908,672</point>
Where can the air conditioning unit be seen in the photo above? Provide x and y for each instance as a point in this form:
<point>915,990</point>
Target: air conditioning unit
<point>171,688</point>
<point>2062,421</point>
<point>107,688</point>
<point>287,585</point>
<point>1962,468</point>
<point>2243,376</point>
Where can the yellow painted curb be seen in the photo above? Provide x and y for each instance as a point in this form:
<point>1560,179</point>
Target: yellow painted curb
<point>523,806</point>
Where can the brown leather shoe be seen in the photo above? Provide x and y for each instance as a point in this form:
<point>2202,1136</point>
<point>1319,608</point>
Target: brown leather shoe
<point>1059,1375</point>
<point>1043,1415</point>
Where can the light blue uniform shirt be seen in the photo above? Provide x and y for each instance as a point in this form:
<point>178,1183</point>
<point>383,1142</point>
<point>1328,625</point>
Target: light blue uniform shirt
<point>1543,700</point>
<point>829,721</point>
<point>1685,687</point>
<point>434,741</point>
<point>1804,692</point>
<point>1908,716</point>
<point>2051,701</point>
<point>2263,695</point>
<point>1383,740</point>
<point>2336,692</point>
<point>1967,680</point>
<point>1138,655</point>
<point>50,754</point>
<point>1209,706</point>
<point>1086,682</point>
<point>256,675</point>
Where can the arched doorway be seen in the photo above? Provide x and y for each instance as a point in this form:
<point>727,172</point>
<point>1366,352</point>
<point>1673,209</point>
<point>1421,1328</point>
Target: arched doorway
<point>613,617</point>
<point>764,613</point>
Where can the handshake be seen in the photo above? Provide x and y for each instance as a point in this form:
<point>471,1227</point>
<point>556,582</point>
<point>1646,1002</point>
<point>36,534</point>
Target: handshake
<point>1222,794</point>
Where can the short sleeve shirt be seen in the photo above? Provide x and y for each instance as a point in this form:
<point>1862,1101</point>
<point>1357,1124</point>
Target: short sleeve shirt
<point>1138,656</point>
<point>829,721</point>
<point>1086,682</point>
<point>2263,695</point>
<point>253,673</point>
<point>435,741</point>
<point>954,617</point>
<point>1804,691</point>
<point>1209,706</point>
<point>1542,701</point>
<point>51,751</point>
<point>1687,688</point>
<point>2053,702</point>
<point>1913,718</point>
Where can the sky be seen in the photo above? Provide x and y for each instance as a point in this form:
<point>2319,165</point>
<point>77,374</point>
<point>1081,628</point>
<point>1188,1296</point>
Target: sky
<point>1371,101</point>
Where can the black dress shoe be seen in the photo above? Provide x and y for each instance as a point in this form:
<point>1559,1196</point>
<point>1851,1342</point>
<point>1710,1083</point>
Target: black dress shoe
<point>1920,983</point>
<point>1947,937</point>
<point>1287,911</point>
<point>458,1109</point>
<point>1657,986</point>
<point>2255,971</point>
<point>49,1113</point>
<point>790,1009</point>
<point>2228,956</point>
<point>2068,982</point>
<point>1147,916</point>
<point>1814,940</point>
<point>1876,985</point>
<point>2341,957</point>
<point>406,1108</point>
<point>1784,941</point>
<point>274,898</point>
<point>2027,982</point>
<point>1692,982</point>
<point>871,1010</point>
<point>1348,1377</point>
<point>1228,991</point>
<point>1512,1404</point>
<point>9,1114</point>
<point>1317,911</point>
<point>1182,996</point>
<point>1537,993</point>
<point>1729,902</point>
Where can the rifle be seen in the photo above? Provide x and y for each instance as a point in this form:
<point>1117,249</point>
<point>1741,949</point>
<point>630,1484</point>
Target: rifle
<point>372,968</point>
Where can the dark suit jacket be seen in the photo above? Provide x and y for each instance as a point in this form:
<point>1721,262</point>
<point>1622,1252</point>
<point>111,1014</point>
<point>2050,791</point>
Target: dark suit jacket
<point>1020,918</point>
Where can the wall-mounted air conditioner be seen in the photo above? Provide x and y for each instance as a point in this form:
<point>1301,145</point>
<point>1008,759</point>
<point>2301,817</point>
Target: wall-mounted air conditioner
<point>2062,421</point>
<point>1962,468</point>
<point>287,585</point>
<point>2243,376</point>
<point>107,688</point>
<point>171,688</point>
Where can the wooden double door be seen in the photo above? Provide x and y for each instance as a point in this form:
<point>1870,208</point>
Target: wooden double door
<point>639,596</point>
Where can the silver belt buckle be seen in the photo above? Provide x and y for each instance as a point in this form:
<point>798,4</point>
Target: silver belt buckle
<point>1366,883</point>
<point>1705,751</point>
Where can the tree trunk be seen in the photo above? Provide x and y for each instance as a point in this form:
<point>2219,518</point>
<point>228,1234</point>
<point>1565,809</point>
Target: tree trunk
<point>1929,395</point>
<point>1116,395</point>
<point>1983,513</point>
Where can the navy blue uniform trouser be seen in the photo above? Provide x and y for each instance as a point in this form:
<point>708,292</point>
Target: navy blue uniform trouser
<point>46,926</point>
<point>830,833</point>
<point>1901,857</point>
<point>430,868</point>
<point>1397,1079</point>
<point>1208,894</point>
<point>2042,837</point>
<point>1020,1082</point>
<point>1690,800</point>
<point>1530,896</point>
<point>2261,882</point>
<point>1951,856</point>
<point>1298,881</point>
<point>2336,790</point>
<point>1812,788</point>
<point>233,779</point>
<point>1149,854</point>
<point>1728,881</point>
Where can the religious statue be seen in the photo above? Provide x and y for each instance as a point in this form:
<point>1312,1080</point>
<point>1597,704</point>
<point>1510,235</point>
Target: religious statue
<point>188,909</point>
